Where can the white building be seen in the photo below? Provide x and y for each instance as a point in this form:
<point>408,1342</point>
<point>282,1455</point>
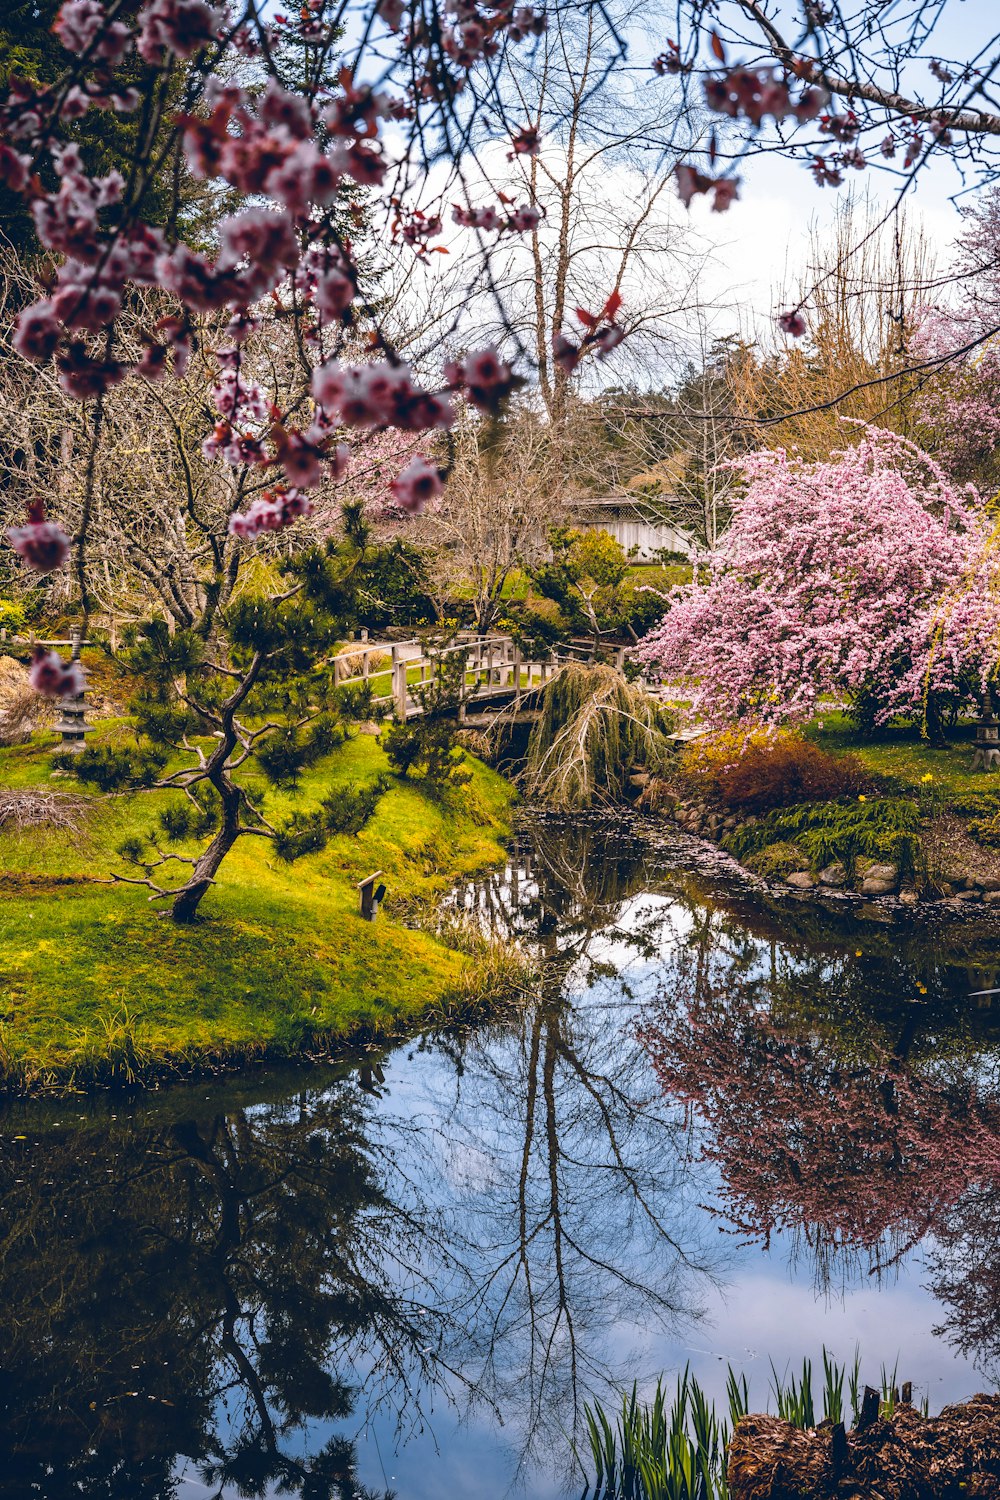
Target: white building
<point>634,522</point>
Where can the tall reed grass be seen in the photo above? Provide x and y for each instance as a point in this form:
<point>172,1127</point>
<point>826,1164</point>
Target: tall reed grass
<point>675,1448</point>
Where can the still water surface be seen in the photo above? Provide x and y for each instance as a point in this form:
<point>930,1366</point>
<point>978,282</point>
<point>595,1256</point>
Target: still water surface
<point>716,1135</point>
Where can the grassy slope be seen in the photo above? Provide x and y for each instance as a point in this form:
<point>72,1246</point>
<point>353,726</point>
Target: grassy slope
<point>283,956</point>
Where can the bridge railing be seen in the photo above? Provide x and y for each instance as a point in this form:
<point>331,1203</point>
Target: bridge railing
<point>493,667</point>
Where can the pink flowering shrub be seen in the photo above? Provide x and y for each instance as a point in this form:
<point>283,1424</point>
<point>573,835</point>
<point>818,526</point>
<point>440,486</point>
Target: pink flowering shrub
<point>869,576</point>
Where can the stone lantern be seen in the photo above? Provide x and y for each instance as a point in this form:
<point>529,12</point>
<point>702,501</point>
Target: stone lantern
<point>72,724</point>
<point>987,751</point>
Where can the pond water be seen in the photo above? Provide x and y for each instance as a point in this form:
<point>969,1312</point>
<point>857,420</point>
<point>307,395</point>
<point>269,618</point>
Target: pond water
<point>717,1135</point>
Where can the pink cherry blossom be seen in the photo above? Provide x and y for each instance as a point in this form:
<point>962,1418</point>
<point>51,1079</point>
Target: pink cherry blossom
<point>272,511</point>
<point>43,545</point>
<point>180,27</point>
<point>418,484</point>
<point>526,217</point>
<point>37,333</point>
<point>838,577</point>
<point>486,379</point>
<point>378,395</point>
<point>792,322</point>
<point>52,677</point>
<point>81,23</point>
<point>392,12</point>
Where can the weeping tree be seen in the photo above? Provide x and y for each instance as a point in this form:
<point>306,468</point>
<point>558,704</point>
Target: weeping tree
<point>244,698</point>
<point>593,728</point>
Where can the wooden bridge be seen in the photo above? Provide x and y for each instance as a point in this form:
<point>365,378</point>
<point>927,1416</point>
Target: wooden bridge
<point>495,675</point>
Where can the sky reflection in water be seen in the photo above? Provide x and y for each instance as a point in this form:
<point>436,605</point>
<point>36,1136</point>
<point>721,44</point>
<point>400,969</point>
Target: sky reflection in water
<point>413,1280</point>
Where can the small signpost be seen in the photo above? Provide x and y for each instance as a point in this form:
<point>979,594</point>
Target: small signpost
<point>987,751</point>
<point>372,896</point>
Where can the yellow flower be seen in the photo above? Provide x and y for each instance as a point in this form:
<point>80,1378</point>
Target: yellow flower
<point>927,777</point>
<point>862,797</point>
<point>857,953</point>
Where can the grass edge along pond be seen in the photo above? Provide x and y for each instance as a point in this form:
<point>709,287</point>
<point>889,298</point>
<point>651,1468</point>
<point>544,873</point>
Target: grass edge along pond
<point>98,989</point>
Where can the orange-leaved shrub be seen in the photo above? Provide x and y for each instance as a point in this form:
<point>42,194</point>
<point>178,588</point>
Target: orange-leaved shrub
<point>757,770</point>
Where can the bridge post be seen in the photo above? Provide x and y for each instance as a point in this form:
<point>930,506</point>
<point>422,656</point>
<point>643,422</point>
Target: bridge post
<point>399,685</point>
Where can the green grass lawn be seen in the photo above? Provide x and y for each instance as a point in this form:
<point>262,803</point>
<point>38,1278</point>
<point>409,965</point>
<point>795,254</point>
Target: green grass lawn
<point>902,755</point>
<point>94,982</point>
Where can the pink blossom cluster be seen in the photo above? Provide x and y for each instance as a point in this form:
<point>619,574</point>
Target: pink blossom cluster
<point>416,228</point>
<point>752,93</point>
<point>473,32</point>
<point>792,322</point>
<point>272,511</point>
<point>691,182</point>
<point>418,484</point>
<point>869,573</point>
<point>327,280</point>
<point>484,377</point>
<point>603,332</point>
<point>295,157</point>
<point>379,395</point>
<point>52,677</point>
<point>42,544</point>
<point>443,48</point>
<point>519,220</point>
<point>959,395</point>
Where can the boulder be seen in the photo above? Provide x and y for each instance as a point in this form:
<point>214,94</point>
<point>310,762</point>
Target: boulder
<point>990,883</point>
<point>801,879</point>
<point>639,779</point>
<point>835,874</point>
<point>908,896</point>
<point>881,872</point>
<point>872,886</point>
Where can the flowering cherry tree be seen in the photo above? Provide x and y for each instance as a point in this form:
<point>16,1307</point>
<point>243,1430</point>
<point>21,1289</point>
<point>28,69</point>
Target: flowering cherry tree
<point>869,575</point>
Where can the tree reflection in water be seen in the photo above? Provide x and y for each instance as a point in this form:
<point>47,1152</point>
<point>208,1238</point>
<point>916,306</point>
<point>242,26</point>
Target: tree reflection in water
<point>581,1221</point>
<point>189,1289</point>
<point>229,1286</point>
<point>850,1098</point>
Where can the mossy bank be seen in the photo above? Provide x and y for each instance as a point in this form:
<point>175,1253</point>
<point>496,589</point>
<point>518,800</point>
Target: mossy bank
<point>97,987</point>
<point>882,828</point>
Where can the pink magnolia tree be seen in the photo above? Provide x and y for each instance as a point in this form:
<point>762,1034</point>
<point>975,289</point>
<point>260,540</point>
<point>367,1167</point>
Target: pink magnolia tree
<point>869,576</point>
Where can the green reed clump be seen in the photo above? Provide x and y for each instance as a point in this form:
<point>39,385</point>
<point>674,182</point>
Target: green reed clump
<point>879,828</point>
<point>677,1449</point>
<point>115,1053</point>
<point>662,1450</point>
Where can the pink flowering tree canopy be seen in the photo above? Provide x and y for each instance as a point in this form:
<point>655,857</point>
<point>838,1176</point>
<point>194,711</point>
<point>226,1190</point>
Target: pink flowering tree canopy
<point>868,577</point>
